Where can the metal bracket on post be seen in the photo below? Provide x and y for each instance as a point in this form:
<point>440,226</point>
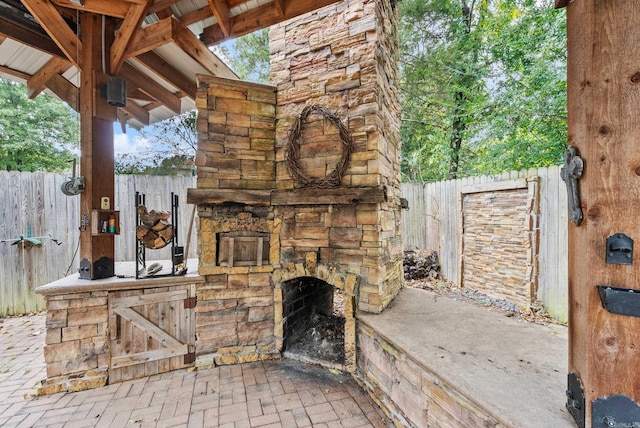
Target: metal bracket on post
<point>575,399</point>
<point>571,173</point>
<point>616,411</point>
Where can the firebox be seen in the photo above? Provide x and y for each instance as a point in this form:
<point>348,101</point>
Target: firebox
<point>313,318</point>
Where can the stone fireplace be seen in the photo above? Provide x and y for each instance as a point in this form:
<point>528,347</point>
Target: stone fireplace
<point>313,321</point>
<point>274,250</point>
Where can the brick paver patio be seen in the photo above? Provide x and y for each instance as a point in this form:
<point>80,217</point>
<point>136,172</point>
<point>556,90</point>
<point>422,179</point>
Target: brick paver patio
<point>265,394</point>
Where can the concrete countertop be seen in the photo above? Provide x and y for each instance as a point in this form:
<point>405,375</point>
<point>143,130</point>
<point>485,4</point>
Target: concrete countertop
<point>514,369</point>
<point>124,279</point>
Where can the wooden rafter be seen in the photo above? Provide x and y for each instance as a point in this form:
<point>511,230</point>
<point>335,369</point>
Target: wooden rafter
<point>23,33</point>
<point>125,34</point>
<point>38,82</point>
<point>220,10</point>
<point>155,90</point>
<point>116,9</point>
<point>56,27</point>
<point>65,90</point>
<point>137,112</point>
<point>199,52</point>
<point>170,30</point>
<point>158,5</point>
<point>161,67</point>
<point>258,18</point>
<point>10,71</point>
<point>280,6</point>
<point>196,16</point>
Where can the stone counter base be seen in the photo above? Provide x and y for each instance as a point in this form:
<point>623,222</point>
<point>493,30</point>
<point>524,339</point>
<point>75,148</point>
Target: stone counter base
<point>409,393</point>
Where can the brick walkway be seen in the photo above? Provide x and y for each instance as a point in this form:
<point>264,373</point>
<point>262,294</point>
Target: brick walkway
<point>271,394</point>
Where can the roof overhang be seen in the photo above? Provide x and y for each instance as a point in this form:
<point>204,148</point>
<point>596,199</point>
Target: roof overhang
<point>157,46</point>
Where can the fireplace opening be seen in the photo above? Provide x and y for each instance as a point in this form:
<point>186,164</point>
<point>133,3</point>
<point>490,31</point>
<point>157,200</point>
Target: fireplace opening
<point>313,315</point>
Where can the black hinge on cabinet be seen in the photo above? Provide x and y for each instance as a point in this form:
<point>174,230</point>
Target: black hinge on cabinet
<point>190,358</point>
<point>575,399</point>
<point>190,302</point>
<point>616,411</point>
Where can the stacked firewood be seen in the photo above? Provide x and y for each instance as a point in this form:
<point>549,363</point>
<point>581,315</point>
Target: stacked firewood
<point>154,231</point>
<point>420,264</point>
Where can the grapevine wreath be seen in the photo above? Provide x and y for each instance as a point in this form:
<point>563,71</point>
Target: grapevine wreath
<point>292,153</point>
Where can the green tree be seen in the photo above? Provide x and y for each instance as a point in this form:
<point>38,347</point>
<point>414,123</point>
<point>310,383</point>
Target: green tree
<point>171,148</point>
<point>35,135</point>
<point>483,87</point>
<point>248,56</point>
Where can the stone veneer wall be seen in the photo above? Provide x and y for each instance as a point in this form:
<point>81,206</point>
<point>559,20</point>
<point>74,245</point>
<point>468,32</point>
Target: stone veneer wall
<point>344,58</point>
<point>77,346</point>
<point>500,241</point>
<point>409,393</point>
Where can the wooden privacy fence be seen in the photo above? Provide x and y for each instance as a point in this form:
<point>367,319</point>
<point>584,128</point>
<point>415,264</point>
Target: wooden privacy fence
<point>434,221</point>
<point>34,202</point>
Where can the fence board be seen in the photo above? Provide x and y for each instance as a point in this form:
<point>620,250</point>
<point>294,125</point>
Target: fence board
<point>35,200</point>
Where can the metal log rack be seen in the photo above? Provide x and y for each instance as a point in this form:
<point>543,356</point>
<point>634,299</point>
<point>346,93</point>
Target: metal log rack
<point>177,251</point>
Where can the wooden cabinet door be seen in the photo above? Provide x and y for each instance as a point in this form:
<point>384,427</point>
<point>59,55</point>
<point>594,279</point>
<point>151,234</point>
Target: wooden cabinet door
<point>151,331</point>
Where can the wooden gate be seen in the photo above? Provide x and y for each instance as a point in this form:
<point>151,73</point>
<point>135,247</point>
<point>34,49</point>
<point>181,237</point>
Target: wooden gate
<point>151,331</point>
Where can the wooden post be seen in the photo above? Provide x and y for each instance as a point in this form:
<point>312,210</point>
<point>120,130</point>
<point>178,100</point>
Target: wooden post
<point>96,145</point>
<point>604,127</point>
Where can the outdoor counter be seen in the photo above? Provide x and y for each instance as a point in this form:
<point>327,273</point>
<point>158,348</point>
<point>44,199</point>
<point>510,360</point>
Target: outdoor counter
<point>118,328</point>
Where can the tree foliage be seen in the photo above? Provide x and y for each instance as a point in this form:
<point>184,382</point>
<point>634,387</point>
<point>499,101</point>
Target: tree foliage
<point>35,135</point>
<point>170,148</point>
<point>484,86</point>
<point>248,56</point>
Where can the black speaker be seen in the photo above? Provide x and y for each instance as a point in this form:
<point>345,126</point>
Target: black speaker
<point>116,91</point>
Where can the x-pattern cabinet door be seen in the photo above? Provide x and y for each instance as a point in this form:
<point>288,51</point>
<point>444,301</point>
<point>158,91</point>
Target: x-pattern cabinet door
<point>151,331</point>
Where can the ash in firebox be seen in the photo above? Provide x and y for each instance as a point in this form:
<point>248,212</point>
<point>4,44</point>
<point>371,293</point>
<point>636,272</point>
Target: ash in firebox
<point>323,340</point>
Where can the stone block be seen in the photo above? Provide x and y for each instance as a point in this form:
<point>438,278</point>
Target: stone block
<point>90,315</point>
<point>62,351</point>
<point>54,335</point>
<point>56,318</point>
<point>78,332</point>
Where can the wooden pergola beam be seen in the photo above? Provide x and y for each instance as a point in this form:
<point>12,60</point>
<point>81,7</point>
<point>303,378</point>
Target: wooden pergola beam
<point>221,11</point>
<point>260,17</point>
<point>155,90</point>
<point>56,27</point>
<point>116,9</point>
<point>158,65</point>
<point>28,36</point>
<point>38,82</point>
<point>13,72</point>
<point>124,36</point>
<point>280,7</point>
<point>65,90</point>
<point>137,112</point>
<point>171,30</point>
